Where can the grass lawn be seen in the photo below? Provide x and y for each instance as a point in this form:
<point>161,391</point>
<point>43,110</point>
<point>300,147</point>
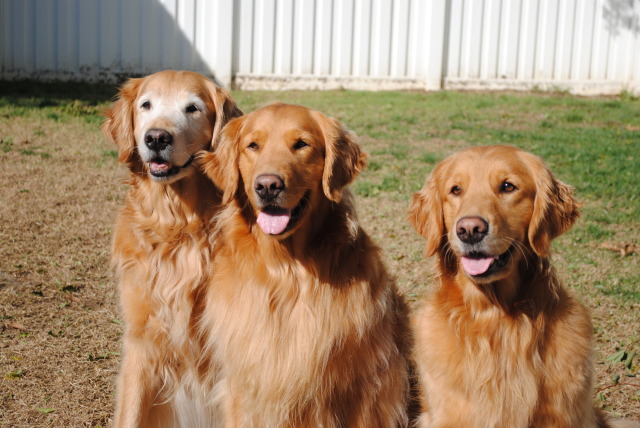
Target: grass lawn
<point>61,188</point>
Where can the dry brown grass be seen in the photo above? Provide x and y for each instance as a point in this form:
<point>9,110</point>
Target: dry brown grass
<point>60,336</point>
<point>61,188</point>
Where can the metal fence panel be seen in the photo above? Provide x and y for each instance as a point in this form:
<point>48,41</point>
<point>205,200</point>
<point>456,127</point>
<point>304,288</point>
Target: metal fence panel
<point>586,46</point>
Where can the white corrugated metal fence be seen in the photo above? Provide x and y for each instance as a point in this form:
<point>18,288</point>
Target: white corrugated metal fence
<point>586,46</point>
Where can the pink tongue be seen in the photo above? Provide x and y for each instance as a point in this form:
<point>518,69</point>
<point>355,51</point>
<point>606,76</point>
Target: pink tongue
<point>476,266</point>
<point>274,224</point>
<point>157,167</point>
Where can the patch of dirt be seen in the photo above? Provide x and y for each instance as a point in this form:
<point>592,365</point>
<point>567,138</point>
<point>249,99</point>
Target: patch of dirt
<point>59,319</point>
<point>59,328</point>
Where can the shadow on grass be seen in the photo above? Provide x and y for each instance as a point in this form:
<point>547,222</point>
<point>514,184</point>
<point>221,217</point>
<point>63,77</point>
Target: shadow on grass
<point>625,294</point>
<point>34,94</point>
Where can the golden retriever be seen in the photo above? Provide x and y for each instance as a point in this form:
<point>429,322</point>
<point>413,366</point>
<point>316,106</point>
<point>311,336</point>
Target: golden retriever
<point>500,342</point>
<point>301,315</point>
<point>161,250</point>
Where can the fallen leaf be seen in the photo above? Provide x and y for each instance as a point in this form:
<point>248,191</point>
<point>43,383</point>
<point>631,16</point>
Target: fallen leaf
<point>618,357</point>
<point>628,249</point>
<point>630,358</point>
<point>624,248</point>
<point>104,356</point>
<point>16,325</point>
<point>14,375</point>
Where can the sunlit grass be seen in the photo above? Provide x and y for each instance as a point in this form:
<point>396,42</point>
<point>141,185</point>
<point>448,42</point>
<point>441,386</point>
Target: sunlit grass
<point>62,187</point>
<point>591,143</point>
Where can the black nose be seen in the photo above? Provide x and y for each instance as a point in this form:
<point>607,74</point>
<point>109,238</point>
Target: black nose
<point>157,139</point>
<point>268,186</point>
<point>471,230</point>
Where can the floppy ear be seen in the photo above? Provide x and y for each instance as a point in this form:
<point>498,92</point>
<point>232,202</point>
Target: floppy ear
<point>555,209</point>
<point>226,109</point>
<point>426,215</point>
<point>221,165</point>
<point>344,159</point>
<point>118,124</point>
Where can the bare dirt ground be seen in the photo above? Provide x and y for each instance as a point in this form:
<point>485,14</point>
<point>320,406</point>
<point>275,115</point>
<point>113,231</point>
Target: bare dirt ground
<point>58,303</point>
<point>60,191</point>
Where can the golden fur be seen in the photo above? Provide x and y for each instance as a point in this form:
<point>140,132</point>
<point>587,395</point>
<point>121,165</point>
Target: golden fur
<point>504,346</point>
<point>161,250</point>
<point>306,324</point>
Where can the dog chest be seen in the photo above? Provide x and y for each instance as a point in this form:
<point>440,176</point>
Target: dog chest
<point>490,367</point>
<point>284,341</point>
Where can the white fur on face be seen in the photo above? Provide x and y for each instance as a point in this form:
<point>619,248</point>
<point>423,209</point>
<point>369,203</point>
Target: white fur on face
<point>181,113</point>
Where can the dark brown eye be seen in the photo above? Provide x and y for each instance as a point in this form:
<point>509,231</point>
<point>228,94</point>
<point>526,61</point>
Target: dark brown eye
<point>146,105</point>
<point>456,191</point>
<point>507,187</point>
<point>253,146</point>
<point>192,108</point>
<point>300,144</point>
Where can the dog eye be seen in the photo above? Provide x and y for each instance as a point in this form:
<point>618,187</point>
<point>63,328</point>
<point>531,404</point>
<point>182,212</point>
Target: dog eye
<point>507,187</point>
<point>456,191</point>
<point>192,108</point>
<point>253,146</point>
<point>300,144</point>
<point>146,105</point>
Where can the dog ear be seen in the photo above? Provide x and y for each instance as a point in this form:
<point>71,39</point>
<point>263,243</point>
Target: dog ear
<point>221,165</point>
<point>555,209</point>
<point>118,125</point>
<point>344,159</point>
<point>226,109</point>
<point>426,215</point>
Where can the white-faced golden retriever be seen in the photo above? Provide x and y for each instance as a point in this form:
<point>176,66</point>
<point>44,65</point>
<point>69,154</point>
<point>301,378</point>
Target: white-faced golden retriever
<point>301,315</point>
<point>500,343</point>
<point>161,250</point>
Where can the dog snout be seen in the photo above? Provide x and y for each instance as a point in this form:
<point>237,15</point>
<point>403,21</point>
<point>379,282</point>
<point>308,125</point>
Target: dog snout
<point>157,139</point>
<point>472,230</point>
<point>268,186</point>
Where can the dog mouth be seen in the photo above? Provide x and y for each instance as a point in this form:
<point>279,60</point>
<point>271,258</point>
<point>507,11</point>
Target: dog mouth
<point>480,265</point>
<point>162,169</point>
<point>276,220</point>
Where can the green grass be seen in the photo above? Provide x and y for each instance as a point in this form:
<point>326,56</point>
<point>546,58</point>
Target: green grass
<point>57,102</point>
<point>591,143</point>
<point>63,186</point>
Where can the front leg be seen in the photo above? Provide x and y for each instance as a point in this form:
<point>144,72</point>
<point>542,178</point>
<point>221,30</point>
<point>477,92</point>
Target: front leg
<point>140,375</point>
<point>565,396</point>
<point>138,385</point>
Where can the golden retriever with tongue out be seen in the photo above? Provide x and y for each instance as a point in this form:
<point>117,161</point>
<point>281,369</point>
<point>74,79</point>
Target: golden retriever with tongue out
<point>161,247</point>
<point>500,343</point>
<point>302,318</point>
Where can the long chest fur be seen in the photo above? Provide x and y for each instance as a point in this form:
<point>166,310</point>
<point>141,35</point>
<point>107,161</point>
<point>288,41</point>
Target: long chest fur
<point>490,362</point>
<point>289,342</point>
<point>161,261</point>
<point>291,323</point>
